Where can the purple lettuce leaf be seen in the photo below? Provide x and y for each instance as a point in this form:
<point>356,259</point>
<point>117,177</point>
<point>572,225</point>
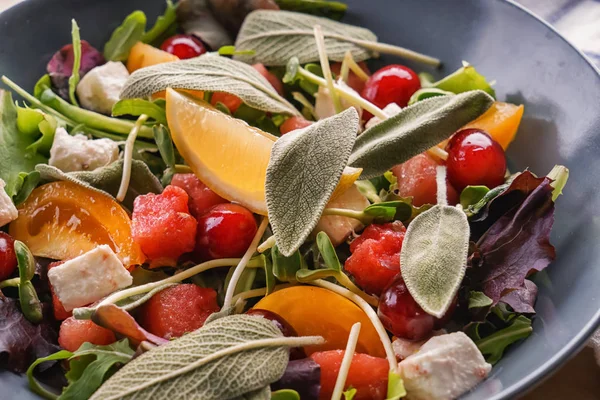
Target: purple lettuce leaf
<point>60,66</point>
<point>21,342</point>
<point>522,300</point>
<point>517,243</point>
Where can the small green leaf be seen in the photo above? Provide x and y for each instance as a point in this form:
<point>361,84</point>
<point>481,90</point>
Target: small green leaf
<point>328,252</point>
<point>306,85</point>
<point>30,303</point>
<point>463,80</point>
<point>165,145</point>
<point>34,385</point>
<point>399,210</point>
<point>396,388</point>
<point>223,108</point>
<point>28,120</point>
<point>434,257</point>
<point>323,8</point>
<point>269,275</point>
<point>471,195</point>
<point>291,71</point>
<point>493,346</point>
<point>350,393</point>
<point>309,275</point>
<point>368,189</point>
<point>560,175</point>
<point>426,93</point>
<point>479,300</point>
<point>489,196</point>
<point>42,84</point>
<point>245,282</point>
<point>231,51</point>
<point>285,394</point>
<point>285,268</point>
<point>25,261</point>
<point>304,170</point>
<point>30,182</point>
<point>137,107</point>
<point>164,24</point>
<point>125,37</point>
<point>47,127</point>
<point>74,78</point>
<point>415,129</point>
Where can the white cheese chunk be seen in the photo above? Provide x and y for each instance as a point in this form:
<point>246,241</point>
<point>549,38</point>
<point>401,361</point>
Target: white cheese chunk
<point>391,110</point>
<point>340,228</point>
<point>88,278</point>
<point>78,153</point>
<point>404,348</point>
<point>324,107</point>
<point>8,211</point>
<point>444,368</point>
<point>100,88</point>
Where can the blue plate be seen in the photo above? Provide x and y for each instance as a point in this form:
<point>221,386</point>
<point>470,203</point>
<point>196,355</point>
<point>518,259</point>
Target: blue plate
<point>532,64</point>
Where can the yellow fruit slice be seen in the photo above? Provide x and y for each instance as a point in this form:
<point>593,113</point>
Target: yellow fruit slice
<point>501,121</point>
<point>225,153</point>
<point>317,311</point>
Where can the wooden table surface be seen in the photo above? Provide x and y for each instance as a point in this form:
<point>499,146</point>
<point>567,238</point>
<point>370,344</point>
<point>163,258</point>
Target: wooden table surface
<point>579,379</point>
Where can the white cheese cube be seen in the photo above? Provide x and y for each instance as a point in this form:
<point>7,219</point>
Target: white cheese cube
<point>403,348</point>
<point>78,153</point>
<point>444,368</point>
<point>340,228</point>
<point>391,110</point>
<point>8,211</point>
<point>100,88</point>
<point>88,278</point>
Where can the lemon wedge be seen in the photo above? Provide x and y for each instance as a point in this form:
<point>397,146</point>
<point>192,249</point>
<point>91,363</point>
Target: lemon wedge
<point>227,154</point>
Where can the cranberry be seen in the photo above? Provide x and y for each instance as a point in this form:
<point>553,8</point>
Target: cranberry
<point>8,259</point>
<point>375,258</point>
<point>281,324</point>
<point>225,231</point>
<point>293,123</point>
<point>201,198</point>
<point>474,158</point>
<point>401,315</point>
<point>183,46</point>
<point>391,84</point>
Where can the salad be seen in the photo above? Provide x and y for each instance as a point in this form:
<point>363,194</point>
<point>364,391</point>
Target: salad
<point>234,203</point>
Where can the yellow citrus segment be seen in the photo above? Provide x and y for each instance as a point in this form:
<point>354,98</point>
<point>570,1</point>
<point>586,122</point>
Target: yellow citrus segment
<point>349,176</point>
<point>228,155</point>
<point>501,121</point>
<point>317,311</point>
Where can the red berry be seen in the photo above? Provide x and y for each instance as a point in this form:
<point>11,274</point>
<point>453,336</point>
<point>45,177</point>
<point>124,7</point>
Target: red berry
<point>162,225</point>
<point>293,123</point>
<point>183,46</point>
<point>8,259</point>
<point>416,179</point>
<point>391,84</point>
<point>401,315</point>
<point>353,80</point>
<point>60,313</point>
<point>375,258</point>
<point>273,80</point>
<point>232,102</point>
<point>178,310</point>
<point>367,374</point>
<point>296,353</point>
<point>474,158</point>
<point>75,332</point>
<point>225,231</point>
<point>201,197</point>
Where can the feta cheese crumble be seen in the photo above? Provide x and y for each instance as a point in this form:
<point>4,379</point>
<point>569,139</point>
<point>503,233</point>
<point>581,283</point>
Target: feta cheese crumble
<point>78,153</point>
<point>8,211</point>
<point>89,277</point>
<point>100,88</point>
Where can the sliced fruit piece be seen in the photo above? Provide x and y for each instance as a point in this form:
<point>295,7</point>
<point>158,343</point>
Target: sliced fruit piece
<point>339,228</point>
<point>323,313</point>
<point>143,55</point>
<point>75,332</point>
<point>62,220</point>
<point>349,176</point>
<point>501,122</point>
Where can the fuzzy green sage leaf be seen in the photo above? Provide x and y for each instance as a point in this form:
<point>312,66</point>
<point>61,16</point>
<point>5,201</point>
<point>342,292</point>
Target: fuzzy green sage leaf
<point>226,358</point>
<point>434,257</point>
<point>304,169</point>
<point>210,73</point>
<point>415,129</point>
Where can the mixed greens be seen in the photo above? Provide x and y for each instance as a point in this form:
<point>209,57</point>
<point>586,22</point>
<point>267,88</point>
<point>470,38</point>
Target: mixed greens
<point>248,212</point>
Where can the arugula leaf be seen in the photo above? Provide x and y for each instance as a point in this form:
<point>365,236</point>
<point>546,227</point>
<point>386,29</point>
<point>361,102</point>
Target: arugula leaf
<point>125,37</point>
<point>34,122</point>
<point>493,346</point>
<point>34,385</point>
<point>14,156</point>
<point>74,79</point>
<point>164,24</point>
<point>137,107</point>
<point>471,195</point>
<point>463,80</point>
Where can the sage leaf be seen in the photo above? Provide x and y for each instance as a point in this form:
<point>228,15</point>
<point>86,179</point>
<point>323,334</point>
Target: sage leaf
<point>434,257</point>
<point>415,129</point>
<point>125,37</point>
<point>304,169</point>
<point>210,73</point>
<point>277,36</point>
<point>106,180</point>
<point>227,358</point>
